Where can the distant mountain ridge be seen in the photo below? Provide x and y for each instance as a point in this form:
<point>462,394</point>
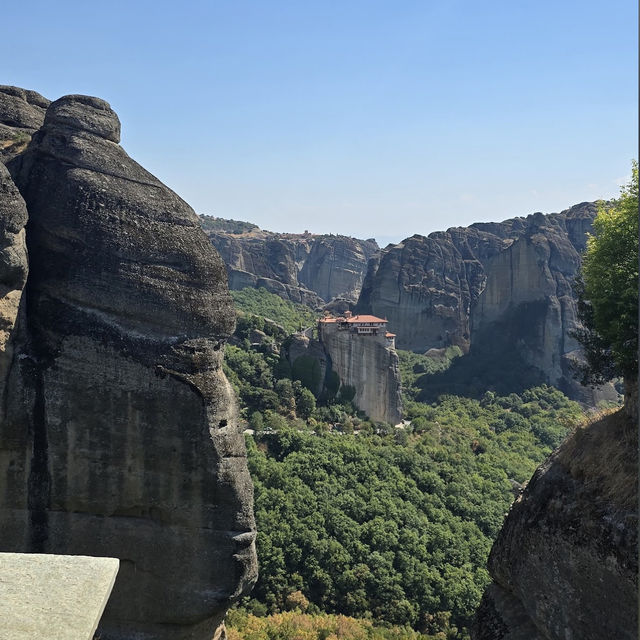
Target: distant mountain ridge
<point>308,268</point>
<point>491,286</point>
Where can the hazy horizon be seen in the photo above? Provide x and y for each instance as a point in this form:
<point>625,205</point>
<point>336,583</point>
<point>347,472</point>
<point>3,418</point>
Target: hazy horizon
<point>384,240</point>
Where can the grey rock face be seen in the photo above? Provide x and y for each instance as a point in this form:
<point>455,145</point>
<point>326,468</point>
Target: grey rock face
<point>424,287</point>
<point>509,281</point>
<point>302,346</point>
<point>22,108</point>
<point>565,563</point>
<point>21,114</point>
<point>307,268</point>
<point>372,370</point>
<point>369,365</point>
<point>13,267</point>
<point>120,435</point>
<point>84,113</point>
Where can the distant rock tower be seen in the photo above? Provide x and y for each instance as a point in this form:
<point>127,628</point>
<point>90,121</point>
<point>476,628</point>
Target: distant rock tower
<point>362,352</point>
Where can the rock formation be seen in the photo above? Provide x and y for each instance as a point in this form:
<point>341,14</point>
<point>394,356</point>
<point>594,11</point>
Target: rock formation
<point>13,266</point>
<point>302,346</point>
<point>118,433</point>
<point>509,282</point>
<point>307,268</point>
<point>565,563</point>
<point>366,363</point>
<point>21,115</point>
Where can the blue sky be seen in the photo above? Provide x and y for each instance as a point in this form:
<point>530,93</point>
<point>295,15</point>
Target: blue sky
<point>361,117</point>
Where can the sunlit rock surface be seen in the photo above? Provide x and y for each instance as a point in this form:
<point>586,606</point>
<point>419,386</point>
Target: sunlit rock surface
<point>308,268</point>
<point>489,285</point>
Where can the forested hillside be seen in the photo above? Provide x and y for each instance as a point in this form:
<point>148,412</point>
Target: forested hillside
<point>373,522</point>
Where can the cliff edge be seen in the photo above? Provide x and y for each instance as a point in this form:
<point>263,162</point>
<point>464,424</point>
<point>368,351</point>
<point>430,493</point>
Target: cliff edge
<point>565,564</point>
<point>307,268</point>
<point>118,432</point>
<point>492,288</point>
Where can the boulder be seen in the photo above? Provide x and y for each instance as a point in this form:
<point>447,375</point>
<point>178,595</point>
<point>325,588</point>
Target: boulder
<point>21,114</point>
<point>120,435</point>
<point>565,563</point>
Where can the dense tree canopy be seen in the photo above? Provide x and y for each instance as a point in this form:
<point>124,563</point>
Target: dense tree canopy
<point>609,290</point>
<point>391,526</point>
<point>397,526</point>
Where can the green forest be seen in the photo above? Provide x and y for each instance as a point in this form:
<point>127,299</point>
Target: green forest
<point>364,520</point>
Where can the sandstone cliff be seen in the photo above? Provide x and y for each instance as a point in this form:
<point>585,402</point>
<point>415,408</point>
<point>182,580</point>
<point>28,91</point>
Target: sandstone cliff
<point>565,563</point>
<point>369,365</point>
<point>307,268</point>
<point>118,432</point>
<point>491,285</point>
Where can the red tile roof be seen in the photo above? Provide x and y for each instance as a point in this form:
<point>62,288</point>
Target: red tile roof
<point>359,319</point>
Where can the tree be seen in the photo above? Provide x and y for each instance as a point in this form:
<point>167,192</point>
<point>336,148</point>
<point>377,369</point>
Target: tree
<point>608,291</point>
<point>306,403</point>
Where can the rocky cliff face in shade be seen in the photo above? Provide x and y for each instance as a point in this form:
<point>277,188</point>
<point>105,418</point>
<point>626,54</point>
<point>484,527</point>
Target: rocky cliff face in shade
<point>488,282</point>
<point>307,268</point>
<point>300,345</point>
<point>118,434</point>
<point>528,297</point>
<point>565,563</point>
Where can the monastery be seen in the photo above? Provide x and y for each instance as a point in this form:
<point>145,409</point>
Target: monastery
<point>358,325</point>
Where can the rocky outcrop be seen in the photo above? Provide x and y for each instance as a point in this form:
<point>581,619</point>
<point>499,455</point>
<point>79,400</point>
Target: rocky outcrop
<point>307,268</point>
<point>21,115</point>
<point>13,267</point>
<point>528,298</point>
<point>507,282</point>
<point>368,364</point>
<point>565,563</point>
<point>301,346</point>
<point>119,434</point>
<point>425,287</point>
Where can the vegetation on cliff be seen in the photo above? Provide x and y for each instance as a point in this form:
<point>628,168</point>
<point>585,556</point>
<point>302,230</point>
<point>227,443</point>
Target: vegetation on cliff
<point>292,316</point>
<point>608,291</point>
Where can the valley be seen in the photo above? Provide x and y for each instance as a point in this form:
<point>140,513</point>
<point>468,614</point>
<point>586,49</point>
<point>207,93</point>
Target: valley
<point>314,435</point>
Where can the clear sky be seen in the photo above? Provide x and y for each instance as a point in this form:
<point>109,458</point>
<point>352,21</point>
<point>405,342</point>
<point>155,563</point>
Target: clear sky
<point>364,117</point>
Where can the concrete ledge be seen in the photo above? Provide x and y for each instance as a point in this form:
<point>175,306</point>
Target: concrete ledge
<point>52,597</point>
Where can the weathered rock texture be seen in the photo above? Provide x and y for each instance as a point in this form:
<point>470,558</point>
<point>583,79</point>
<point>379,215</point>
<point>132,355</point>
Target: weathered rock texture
<point>13,266</point>
<point>307,268</point>
<point>565,563</point>
<point>369,365</point>
<point>508,282</point>
<point>118,434</point>
<point>21,115</point>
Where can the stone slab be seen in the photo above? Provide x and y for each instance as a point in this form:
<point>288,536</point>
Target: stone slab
<point>53,597</point>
